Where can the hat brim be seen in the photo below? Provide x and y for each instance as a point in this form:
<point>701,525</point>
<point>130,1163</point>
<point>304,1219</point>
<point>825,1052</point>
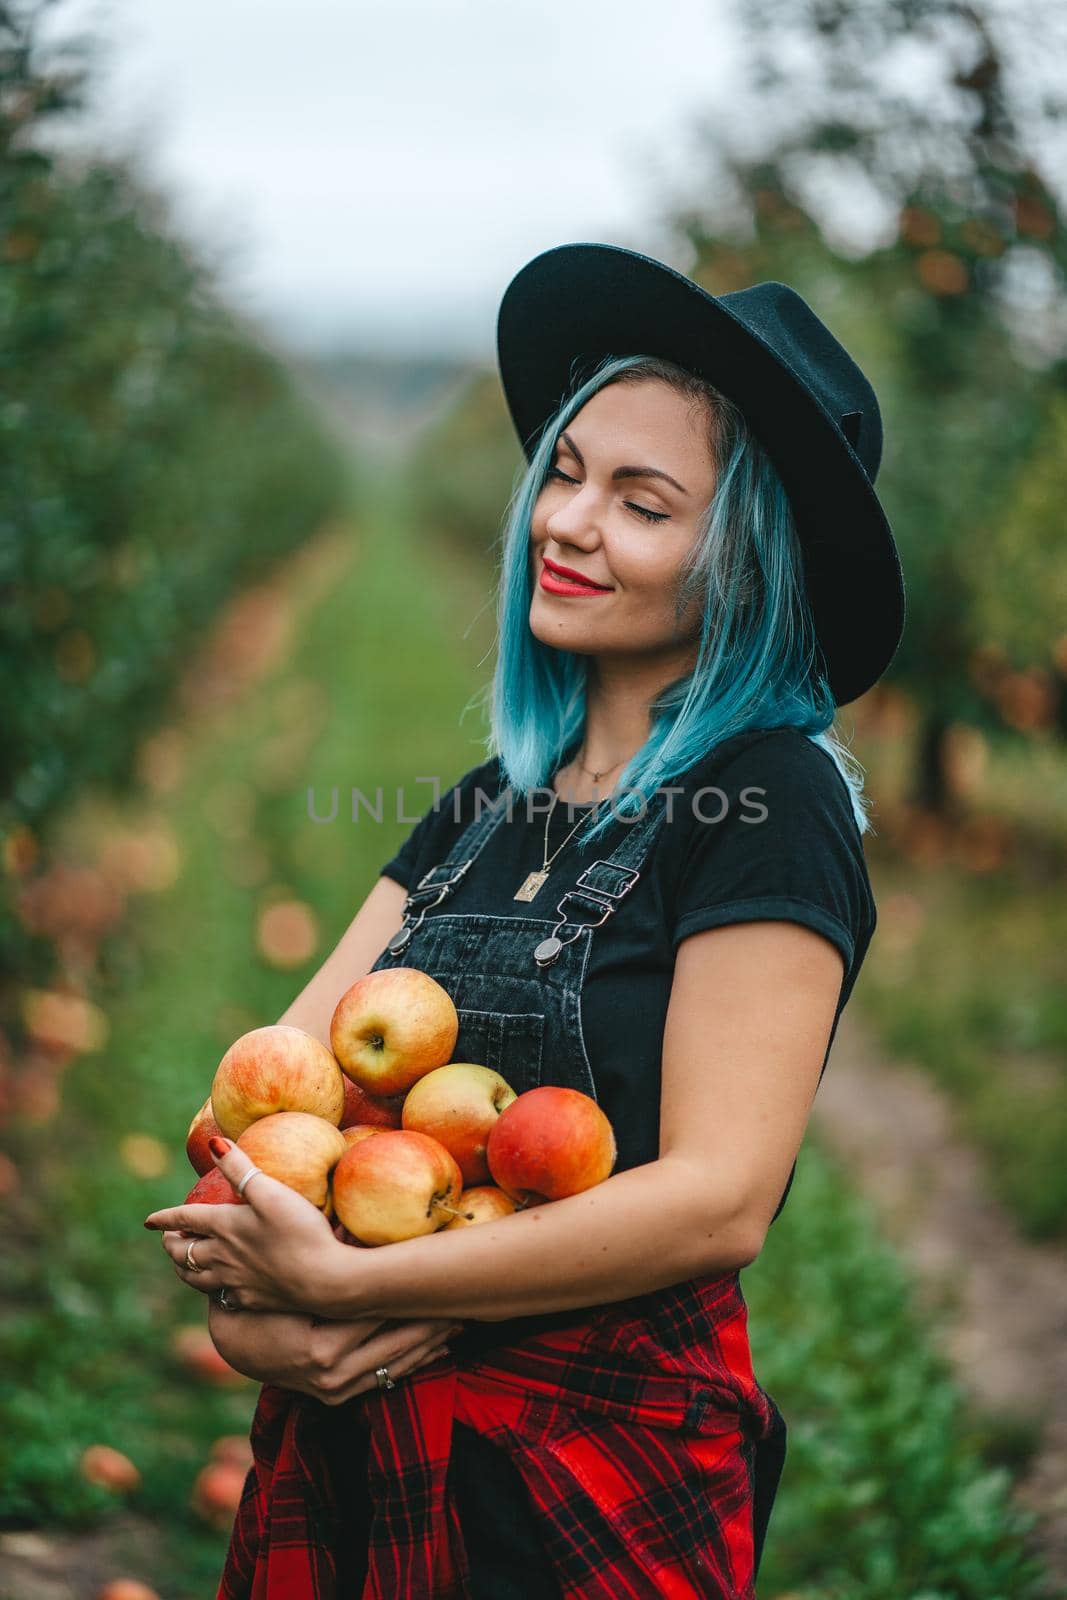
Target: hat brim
<point>577,303</point>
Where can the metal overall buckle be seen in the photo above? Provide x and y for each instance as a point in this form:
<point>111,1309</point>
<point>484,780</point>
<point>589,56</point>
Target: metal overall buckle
<point>604,899</point>
<point>425,895</point>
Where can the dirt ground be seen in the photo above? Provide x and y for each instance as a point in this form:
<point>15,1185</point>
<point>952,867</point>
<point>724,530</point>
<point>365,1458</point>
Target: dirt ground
<point>1004,1300</point>
<point>72,1566</point>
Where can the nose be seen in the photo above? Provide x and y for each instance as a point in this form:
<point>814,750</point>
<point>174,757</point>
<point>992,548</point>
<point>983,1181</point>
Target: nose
<point>574,522</point>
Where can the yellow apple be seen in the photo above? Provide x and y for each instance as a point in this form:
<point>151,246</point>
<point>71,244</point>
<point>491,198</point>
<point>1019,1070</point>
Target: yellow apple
<point>396,1185</point>
<point>483,1203</point>
<point>298,1149</point>
<point>276,1068</point>
<point>391,1027</point>
<point>458,1105</point>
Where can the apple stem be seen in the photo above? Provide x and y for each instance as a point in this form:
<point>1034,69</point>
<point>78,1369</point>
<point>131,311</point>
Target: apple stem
<point>469,1215</point>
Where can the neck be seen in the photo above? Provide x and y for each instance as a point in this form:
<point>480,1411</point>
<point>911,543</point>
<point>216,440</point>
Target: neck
<point>618,694</point>
<point>617,721</point>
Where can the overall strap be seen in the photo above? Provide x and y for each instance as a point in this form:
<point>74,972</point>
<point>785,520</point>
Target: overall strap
<point>599,888</point>
<point>438,882</point>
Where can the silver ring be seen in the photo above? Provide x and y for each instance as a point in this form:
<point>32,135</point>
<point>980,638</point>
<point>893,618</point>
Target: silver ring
<point>190,1264</point>
<point>251,1173</point>
<point>224,1303</point>
<point>384,1380</point>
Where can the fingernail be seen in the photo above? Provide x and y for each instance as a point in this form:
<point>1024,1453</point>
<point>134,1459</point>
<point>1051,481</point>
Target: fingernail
<point>218,1145</point>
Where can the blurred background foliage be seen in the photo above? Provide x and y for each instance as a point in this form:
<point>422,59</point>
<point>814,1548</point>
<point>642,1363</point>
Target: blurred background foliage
<point>212,599</point>
<point>156,456</point>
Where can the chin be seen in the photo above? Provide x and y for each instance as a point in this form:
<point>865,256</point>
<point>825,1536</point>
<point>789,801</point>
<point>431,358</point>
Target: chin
<point>559,637</point>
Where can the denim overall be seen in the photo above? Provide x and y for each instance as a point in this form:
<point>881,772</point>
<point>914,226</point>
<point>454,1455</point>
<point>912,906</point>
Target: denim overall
<point>516,982</point>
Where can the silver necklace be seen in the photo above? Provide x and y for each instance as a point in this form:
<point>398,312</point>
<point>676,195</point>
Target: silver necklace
<point>534,880</point>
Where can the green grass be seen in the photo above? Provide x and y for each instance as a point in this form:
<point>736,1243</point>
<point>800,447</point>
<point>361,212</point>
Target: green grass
<point>891,1488</point>
<point>967,977</point>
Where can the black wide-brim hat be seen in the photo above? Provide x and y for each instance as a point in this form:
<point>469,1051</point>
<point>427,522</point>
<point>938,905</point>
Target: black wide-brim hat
<point>801,393</point>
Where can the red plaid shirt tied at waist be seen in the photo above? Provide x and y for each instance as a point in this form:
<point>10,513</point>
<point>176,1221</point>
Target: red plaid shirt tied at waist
<point>634,1432</point>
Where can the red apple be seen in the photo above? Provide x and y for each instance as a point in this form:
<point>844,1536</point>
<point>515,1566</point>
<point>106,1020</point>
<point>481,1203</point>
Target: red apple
<point>109,1468</point>
<point>550,1143</point>
<point>126,1589</point>
<point>483,1203</point>
<point>362,1110</point>
<point>395,1186</point>
<point>201,1129</point>
<point>236,1448</point>
<point>217,1493</point>
<point>458,1105</point>
<point>278,1068</point>
<point>298,1149</point>
<point>213,1189</point>
<point>391,1027</point>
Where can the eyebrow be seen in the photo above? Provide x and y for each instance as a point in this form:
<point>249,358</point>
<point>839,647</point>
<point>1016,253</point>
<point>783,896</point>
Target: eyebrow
<point>626,472</point>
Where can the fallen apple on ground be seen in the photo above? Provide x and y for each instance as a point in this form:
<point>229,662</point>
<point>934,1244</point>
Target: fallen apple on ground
<point>298,1149</point>
<point>391,1027</point>
<point>482,1203</point>
<point>396,1185</point>
<point>217,1492</point>
<point>103,1465</point>
<point>550,1143</point>
<point>459,1105</point>
<point>235,1448</point>
<point>126,1589</point>
<point>277,1068</point>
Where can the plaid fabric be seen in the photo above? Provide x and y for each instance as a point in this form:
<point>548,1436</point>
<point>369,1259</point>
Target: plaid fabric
<point>634,1432</point>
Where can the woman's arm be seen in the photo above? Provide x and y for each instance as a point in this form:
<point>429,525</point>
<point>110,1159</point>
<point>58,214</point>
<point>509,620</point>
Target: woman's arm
<point>750,1013</point>
<point>747,1028</point>
<point>639,1230</point>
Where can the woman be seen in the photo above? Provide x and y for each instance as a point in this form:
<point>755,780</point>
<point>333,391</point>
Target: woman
<point>682,954</point>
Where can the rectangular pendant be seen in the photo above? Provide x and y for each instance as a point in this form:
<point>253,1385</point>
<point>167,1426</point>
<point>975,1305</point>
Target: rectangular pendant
<point>531,885</point>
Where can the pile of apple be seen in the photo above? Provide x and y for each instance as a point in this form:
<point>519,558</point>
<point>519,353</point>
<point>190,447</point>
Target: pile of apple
<point>383,1132</point>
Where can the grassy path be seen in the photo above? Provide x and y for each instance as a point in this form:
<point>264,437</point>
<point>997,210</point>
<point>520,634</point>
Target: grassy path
<point>892,1488</point>
<point>998,1299</point>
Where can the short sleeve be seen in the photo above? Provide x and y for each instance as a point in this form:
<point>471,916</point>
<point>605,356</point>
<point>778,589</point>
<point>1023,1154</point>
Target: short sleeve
<point>402,865</point>
<point>774,838</point>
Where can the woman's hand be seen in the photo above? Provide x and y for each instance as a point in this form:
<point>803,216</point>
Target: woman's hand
<point>275,1253</point>
<point>330,1361</point>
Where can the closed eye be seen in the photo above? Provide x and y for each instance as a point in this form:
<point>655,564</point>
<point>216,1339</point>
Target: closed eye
<point>642,511</point>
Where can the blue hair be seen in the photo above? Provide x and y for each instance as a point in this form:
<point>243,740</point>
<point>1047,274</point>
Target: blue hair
<point>758,664</point>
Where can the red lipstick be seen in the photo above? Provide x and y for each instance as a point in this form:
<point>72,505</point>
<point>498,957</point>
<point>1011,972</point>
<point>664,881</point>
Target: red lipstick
<point>557,579</point>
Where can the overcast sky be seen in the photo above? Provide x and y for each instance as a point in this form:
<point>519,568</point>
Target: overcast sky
<point>381,169</point>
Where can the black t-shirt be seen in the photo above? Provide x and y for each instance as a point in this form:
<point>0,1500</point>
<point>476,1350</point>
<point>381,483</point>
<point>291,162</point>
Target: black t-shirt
<point>779,841</point>
<point>772,836</point>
